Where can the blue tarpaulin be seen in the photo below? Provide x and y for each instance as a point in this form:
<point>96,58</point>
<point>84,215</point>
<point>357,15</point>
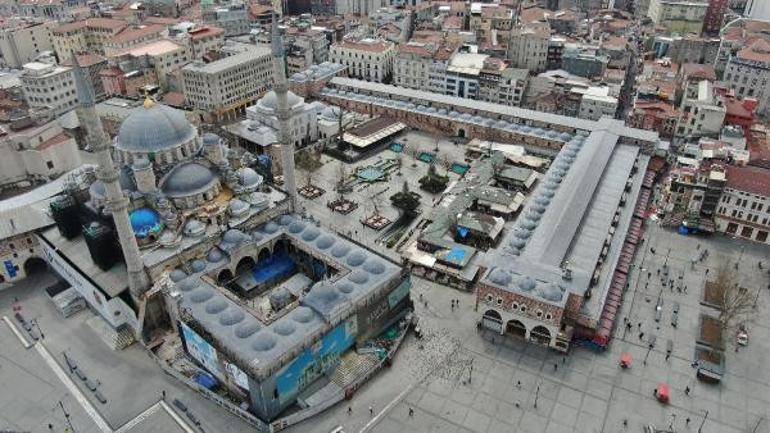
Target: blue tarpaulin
<point>456,255</point>
<point>462,231</point>
<point>205,380</point>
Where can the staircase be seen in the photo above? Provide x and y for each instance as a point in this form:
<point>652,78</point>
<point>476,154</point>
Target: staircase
<point>116,340</point>
<point>352,366</point>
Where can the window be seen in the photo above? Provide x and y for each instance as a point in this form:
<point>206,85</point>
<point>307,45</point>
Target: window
<point>489,298</point>
<point>49,164</point>
<point>523,309</point>
<point>499,301</point>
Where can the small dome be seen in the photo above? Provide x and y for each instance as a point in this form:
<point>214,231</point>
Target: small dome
<point>358,277</point>
<point>499,277</point>
<point>547,193</point>
<point>356,258</point>
<point>330,113</point>
<point>345,287</point>
<point>234,236</point>
<point>527,284</point>
<point>263,342</point>
<point>325,242</point>
<point>155,128</point>
<point>249,178</point>
<point>270,228</point>
<point>302,314</point>
<point>310,234</point>
<point>374,267</point>
<point>286,220</point>
<point>256,237</point>
<point>534,215</point>
<point>270,100</point>
<point>231,317</point>
<point>198,265</point>
<point>188,179</point>
<point>187,285</point>
<point>201,295</point>
<point>542,200</point>
<point>284,327</point>
<point>246,330</point>
<point>296,227</point>
<point>340,250</point>
<point>518,243</point>
<point>523,234</point>
<point>177,275</point>
<point>551,292</point>
<point>216,306</point>
<point>214,256</point>
<point>324,291</point>
<point>238,207</point>
<point>210,139</point>
<point>145,222</point>
<point>528,224</point>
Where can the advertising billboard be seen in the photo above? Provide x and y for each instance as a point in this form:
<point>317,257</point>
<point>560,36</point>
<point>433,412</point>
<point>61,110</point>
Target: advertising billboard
<point>202,351</point>
<point>315,361</point>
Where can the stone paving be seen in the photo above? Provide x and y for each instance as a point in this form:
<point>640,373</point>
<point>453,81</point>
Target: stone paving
<point>584,392</point>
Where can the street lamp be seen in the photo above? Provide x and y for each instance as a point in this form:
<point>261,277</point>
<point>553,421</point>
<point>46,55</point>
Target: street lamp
<point>537,395</point>
<point>66,416</point>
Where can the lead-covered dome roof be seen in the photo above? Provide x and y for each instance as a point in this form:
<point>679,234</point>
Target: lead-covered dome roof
<point>188,179</point>
<point>153,128</point>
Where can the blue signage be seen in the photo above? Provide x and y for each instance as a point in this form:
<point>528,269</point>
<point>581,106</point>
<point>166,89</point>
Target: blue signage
<point>11,269</point>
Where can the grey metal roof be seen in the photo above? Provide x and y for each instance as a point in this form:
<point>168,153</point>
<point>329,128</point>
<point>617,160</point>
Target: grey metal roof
<point>153,129</point>
<point>187,179</point>
<point>259,345</point>
<point>559,224</point>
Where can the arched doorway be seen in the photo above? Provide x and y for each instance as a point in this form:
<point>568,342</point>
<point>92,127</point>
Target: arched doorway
<point>35,265</point>
<point>244,265</point>
<point>263,255</point>
<point>280,248</point>
<point>516,329</point>
<point>461,133</point>
<point>492,320</point>
<point>224,277</point>
<point>540,335</point>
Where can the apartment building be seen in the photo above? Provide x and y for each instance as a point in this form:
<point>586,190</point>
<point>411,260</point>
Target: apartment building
<point>367,59</point>
<point>22,40</point>
<point>412,66</point>
<point>744,208</point>
<point>233,18</point>
<point>85,36</point>
<point>202,40</point>
<point>748,73</point>
<point>131,37</point>
<point>164,56</point>
<point>37,151</point>
<point>679,16</point>
<point>528,47</point>
<point>48,9</point>
<point>703,111</point>
<point>224,87</point>
<point>492,23</point>
<point>47,86</point>
<point>596,102</point>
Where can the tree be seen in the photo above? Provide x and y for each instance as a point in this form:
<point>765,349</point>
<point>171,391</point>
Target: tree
<point>341,145</point>
<point>732,300</point>
<point>308,161</point>
<point>406,200</point>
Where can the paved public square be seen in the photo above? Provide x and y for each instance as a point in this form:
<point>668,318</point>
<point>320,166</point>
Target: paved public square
<point>456,379</point>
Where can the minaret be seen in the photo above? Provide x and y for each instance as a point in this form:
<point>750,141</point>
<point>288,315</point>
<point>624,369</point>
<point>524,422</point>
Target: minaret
<point>281,92</point>
<point>116,203</point>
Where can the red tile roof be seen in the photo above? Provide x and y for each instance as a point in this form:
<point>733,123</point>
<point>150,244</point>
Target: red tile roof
<point>378,46</point>
<point>53,141</point>
<point>84,60</point>
<point>698,71</point>
<point>133,33</point>
<point>754,180</point>
<point>759,51</point>
<point>202,32</point>
<point>103,23</point>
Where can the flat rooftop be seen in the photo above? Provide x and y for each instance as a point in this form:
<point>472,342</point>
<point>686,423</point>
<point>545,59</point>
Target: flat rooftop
<point>225,63</point>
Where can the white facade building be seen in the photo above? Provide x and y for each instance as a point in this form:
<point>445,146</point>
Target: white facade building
<point>703,112</point>
<point>748,73</point>
<point>367,59</point>
<point>49,86</point>
<point>222,87</point>
<point>36,153</point>
<point>744,208</point>
<point>597,102</point>
<point>22,42</point>
<point>528,47</point>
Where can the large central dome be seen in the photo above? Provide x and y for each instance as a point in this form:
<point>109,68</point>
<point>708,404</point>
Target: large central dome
<point>154,128</point>
<point>270,100</point>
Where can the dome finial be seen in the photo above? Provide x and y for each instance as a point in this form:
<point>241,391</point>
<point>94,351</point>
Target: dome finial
<point>148,102</point>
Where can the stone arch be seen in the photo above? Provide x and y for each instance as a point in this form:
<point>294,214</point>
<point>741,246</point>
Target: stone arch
<point>263,255</point>
<point>280,247</point>
<point>245,264</point>
<point>541,335</point>
<point>461,132</point>
<point>34,265</point>
<point>494,315</point>
<point>224,276</point>
<point>516,328</point>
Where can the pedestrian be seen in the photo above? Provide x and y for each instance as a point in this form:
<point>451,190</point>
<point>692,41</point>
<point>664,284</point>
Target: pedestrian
<point>420,297</point>
<point>564,360</point>
<point>686,390</point>
<point>629,326</point>
<point>555,366</point>
<point>371,411</point>
<point>658,271</point>
<point>687,421</point>
<point>517,405</point>
<point>411,412</point>
<point>50,427</point>
<point>350,411</point>
<point>163,394</point>
<point>518,384</point>
<point>707,271</point>
<point>685,289</point>
<point>668,355</point>
<point>641,335</point>
<point>625,423</point>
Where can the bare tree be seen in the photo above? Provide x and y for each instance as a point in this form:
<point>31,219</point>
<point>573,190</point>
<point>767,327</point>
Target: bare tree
<point>732,300</point>
<point>308,161</point>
